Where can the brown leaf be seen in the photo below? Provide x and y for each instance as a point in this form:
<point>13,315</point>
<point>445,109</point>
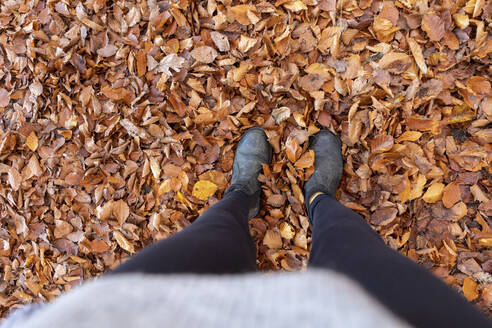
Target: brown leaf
<point>204,54</point>
<point>311,82</point>
<point>292,149</point>
<point>123,242</point>
<point>245,14</point>
<point>433,26</point>
<point>121,211</point>
<point>324,119</point>
<point>62,228</point>
<point>470,289</point>
<point>107,51</point>
<point>220,40</point>
<point>382,143</point>
<point>103,211</point>
<point>272,240</point>
<point>451,195</point>
<point>4,97</point>
<point>286,230</point>
<point>15,178</point>
<point>141,62</point>
<point>99,246</point>
<point>417,55</point>
<point>384,216</point>
<point>409,136</point>
<point>276,200</point>
<point>306,160</point>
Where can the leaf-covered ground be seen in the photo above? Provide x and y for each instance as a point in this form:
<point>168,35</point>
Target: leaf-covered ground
<point>118,121</point>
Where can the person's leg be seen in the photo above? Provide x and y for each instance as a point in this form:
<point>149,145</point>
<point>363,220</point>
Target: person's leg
<point>217,242</point>
<point>344,242</point>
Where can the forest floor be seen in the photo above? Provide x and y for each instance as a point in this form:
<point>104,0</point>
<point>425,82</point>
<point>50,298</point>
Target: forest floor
<point>118,121</point>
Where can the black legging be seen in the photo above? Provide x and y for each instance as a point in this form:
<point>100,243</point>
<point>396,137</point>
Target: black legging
<point>219,242</point>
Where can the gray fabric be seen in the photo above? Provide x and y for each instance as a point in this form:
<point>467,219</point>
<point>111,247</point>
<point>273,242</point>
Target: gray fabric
<point>304,299</point>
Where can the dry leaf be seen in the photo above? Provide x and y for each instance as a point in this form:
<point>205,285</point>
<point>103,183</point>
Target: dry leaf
<point>451,195</point>
<point>433,193</point>
<point>295,6</point>
<point>220,40</point>
<point>281,114</point>
<point>461,20</point>
<point>286,230</point>
<point>204,54</point>
<point>306,160</point>
<point>272,240</point>
<point>103,211</point>
<point>246,43</point>
<point>409,136</point>
<point>433,26</point>
<point>203,189</point>
<point>382,143</point>
<point>121,211</point>
<point>417,55</point>
<point>470,289</point>
<point>292,149</point>
<point>62,229</point>
<point>4,97</point>
<point>276,200</point>
<point>32,141</point>
<point>123,242</point>
<point>245,14</point>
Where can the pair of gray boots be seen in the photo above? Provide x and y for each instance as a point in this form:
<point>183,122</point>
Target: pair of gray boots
<point>254,149</point>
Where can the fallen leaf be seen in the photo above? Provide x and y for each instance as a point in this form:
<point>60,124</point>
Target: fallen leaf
<point>220,40</point>
<point>121,211</point>
<point>203,189</point>
<point>293,150</point>
<point>461,20</point>
<point>123,242</point>
<point>32,141</point>
<point>204,54</point>
<point>276,200</point>
<point>272,240</point>
<point>306,160</point>
<point>246,43</point>
<point>62,228</point>
<point>470,289</point>
<point>433,26</point>
<point>451,195</point>
<point>281,114</point>
<point>286,230</point>
<point>433,193</point>
<point>384,216</point>
<point>4,97</point>
<point>417,55</point>
<point>108,51</point>
<point>382,143</point>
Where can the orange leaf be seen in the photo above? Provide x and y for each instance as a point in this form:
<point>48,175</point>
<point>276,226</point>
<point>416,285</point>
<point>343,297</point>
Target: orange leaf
<point>451,195</point>
<point>409,136</point>
<point>470,289</point>
<point>141,62</point>
<point>306,160</point>
<point>433,193</point>
<point>32,141</point>
<point>121,211</point>
<point>382,143</point>
<point>293,149</point>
